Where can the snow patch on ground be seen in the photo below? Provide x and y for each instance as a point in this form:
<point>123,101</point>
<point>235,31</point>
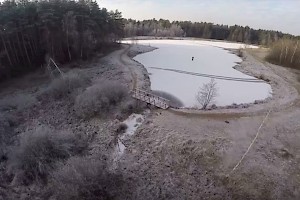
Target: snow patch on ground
<point>133,122</point>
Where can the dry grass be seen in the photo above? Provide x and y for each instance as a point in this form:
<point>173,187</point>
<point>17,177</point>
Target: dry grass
<point>101,99</point>
<point>39,150</point>
<point>17,102</point>
<point>67,85</point>
<point>132,106</point>
<point>83,178</point>
<point>7,122</point>
<point>286,53</point>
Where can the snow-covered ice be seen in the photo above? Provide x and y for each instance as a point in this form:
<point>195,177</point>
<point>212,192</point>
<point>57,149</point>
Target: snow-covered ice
<point>208,59</point>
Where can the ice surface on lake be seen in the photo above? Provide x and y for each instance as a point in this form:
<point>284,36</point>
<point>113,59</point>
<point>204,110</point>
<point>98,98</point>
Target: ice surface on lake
<point>208,59</point>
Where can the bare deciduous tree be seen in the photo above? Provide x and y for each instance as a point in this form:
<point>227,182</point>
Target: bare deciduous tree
<point>207,93</point>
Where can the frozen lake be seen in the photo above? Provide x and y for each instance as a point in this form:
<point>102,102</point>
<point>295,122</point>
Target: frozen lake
<point>209,58</point>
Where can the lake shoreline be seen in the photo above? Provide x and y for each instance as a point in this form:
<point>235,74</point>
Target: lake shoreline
<point>283,94</point>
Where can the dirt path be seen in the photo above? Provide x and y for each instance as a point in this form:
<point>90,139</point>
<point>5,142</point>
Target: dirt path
<point>133,71</point>
<point>126,62</point>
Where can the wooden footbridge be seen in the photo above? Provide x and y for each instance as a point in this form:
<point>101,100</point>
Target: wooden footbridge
<point>150,98</point>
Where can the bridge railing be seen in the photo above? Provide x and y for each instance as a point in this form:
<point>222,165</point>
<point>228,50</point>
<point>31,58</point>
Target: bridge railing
<point>151,98</point>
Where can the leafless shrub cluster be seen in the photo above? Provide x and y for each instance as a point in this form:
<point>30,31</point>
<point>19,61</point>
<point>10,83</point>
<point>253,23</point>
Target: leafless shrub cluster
<point>84,178</point>
<point>285,52</point>
<point>240,53</point>
<point>39,150</point>
<point>101,99</point>
<point>121,128</point>
<point>132,106</point>
<point>66,85</point>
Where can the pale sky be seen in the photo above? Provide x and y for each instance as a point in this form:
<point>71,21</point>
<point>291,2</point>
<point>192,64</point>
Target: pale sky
<point>281,15</point>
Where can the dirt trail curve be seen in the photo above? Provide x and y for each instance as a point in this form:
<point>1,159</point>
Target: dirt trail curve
<point>128,63</point>
<point>133,71</point>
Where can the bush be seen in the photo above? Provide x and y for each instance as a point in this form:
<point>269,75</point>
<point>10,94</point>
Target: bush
<point>38,151</point>
<point>240,53</point>
<point>101,99</point>
<point>133,106</point>
<point>83,178</point>
<point>66,85</point>
<point>122,127</point>
<point>5,134</point>
<point>17,102</point>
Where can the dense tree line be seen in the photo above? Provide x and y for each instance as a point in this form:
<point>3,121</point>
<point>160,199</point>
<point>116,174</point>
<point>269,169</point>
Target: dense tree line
<point>62,29</point>
<point>205,30</point>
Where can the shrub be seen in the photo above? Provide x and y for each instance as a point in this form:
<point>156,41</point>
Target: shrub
<point>133,106</point>
<point>17,102</point>
<point>83,178</point>
<point>38,151</point>
<point>100,99</point>
<point>5,134</point>
<point>122,127</point>
<point>240,53</point>
<point>66,85</point>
